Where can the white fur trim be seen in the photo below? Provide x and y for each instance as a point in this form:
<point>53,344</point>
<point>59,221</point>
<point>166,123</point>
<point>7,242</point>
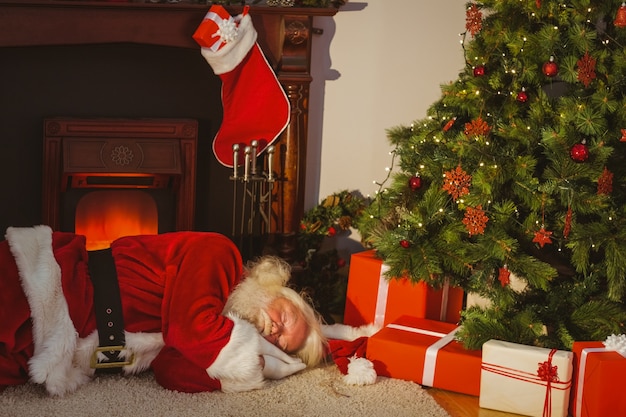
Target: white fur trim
<point>360,372</point>
<point>231,54</point>
<point>349,333</point>
<point>238,365</point>
<point>54,335</point>
<point>145,347</point>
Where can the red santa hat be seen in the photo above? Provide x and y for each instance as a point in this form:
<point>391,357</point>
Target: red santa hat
<point>347,346</point>
<point>255,106</point>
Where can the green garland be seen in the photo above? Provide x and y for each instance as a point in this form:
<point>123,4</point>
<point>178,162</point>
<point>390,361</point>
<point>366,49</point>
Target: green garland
<point>321,273</point>
<point>337,213</point>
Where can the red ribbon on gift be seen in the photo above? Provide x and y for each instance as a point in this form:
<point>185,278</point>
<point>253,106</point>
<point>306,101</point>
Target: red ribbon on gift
<point>546,374</point>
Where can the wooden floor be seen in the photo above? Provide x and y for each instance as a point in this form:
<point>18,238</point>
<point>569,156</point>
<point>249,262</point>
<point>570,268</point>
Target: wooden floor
<point>461,405</point>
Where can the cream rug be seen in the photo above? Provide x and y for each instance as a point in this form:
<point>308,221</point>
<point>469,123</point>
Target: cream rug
<point>317,392</point>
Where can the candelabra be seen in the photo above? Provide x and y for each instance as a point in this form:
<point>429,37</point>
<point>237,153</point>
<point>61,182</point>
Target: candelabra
<point>254,189</point>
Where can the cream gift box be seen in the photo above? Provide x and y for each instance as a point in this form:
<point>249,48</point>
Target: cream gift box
<point>526,380</point>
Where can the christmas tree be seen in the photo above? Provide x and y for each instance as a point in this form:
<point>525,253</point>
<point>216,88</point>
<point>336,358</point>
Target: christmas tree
<point>519,171</point>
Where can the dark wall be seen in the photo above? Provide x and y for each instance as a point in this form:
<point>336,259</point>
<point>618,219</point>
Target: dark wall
<point>112,80</point>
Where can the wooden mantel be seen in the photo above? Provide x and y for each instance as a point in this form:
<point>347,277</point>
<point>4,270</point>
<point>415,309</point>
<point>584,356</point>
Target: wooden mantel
<point>285,35</point>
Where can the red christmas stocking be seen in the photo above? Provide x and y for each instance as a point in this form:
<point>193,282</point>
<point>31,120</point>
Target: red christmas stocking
<point>254,103</point>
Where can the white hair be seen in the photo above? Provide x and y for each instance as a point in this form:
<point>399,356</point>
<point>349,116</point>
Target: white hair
<point>266,279</point>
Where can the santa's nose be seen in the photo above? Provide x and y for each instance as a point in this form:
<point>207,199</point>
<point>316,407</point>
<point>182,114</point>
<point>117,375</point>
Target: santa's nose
<point>272,338</point>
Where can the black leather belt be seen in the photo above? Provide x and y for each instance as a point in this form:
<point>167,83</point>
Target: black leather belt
<point>109,314</point>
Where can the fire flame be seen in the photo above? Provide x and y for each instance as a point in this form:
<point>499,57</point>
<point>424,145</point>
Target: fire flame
<point>103,216</point>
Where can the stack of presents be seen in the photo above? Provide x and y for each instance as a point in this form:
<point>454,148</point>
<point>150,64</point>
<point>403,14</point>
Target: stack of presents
<point>417,343</point>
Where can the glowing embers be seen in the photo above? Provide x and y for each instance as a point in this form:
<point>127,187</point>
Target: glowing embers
<point>104,215</point>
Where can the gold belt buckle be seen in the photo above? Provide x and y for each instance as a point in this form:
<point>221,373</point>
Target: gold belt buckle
<point>116,364</point>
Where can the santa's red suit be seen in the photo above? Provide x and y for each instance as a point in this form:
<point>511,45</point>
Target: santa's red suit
<point>173,289</point>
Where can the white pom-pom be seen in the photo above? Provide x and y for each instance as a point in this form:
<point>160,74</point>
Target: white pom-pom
<point>617,343</point>
<point>360,372</point>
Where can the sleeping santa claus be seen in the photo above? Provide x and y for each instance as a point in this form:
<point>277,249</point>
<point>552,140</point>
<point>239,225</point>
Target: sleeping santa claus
<point>189,311</point>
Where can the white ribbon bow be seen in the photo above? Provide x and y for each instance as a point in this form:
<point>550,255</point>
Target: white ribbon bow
<point>616,343</point>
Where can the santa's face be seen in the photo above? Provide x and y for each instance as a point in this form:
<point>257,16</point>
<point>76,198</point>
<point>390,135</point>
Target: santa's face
<point>288,329</point>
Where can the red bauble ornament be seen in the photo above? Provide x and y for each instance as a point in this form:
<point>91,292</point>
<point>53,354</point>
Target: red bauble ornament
<point>620,17</point>
<point>479,71</point>
<point>405,243</point>
<point>522,96</point>
<point>579,152</point>
<point>550,68</point>
<point>415,183</point>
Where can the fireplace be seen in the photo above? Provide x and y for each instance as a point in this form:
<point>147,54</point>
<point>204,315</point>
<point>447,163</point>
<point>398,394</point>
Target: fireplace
<point>107,178</point>
<point>137,59</point>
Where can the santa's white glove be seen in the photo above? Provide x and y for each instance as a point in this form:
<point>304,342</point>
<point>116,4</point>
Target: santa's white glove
<point>278,364</point>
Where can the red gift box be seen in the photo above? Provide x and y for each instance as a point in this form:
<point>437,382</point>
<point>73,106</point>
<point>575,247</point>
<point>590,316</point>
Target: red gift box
<point>599,375</point>
<point>424,351</point>
<point>372,298</point>
<point>209,32</point>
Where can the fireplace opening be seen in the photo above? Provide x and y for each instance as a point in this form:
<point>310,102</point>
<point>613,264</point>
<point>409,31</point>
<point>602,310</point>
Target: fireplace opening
<point>105,215</point>
<point>109,178</point>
